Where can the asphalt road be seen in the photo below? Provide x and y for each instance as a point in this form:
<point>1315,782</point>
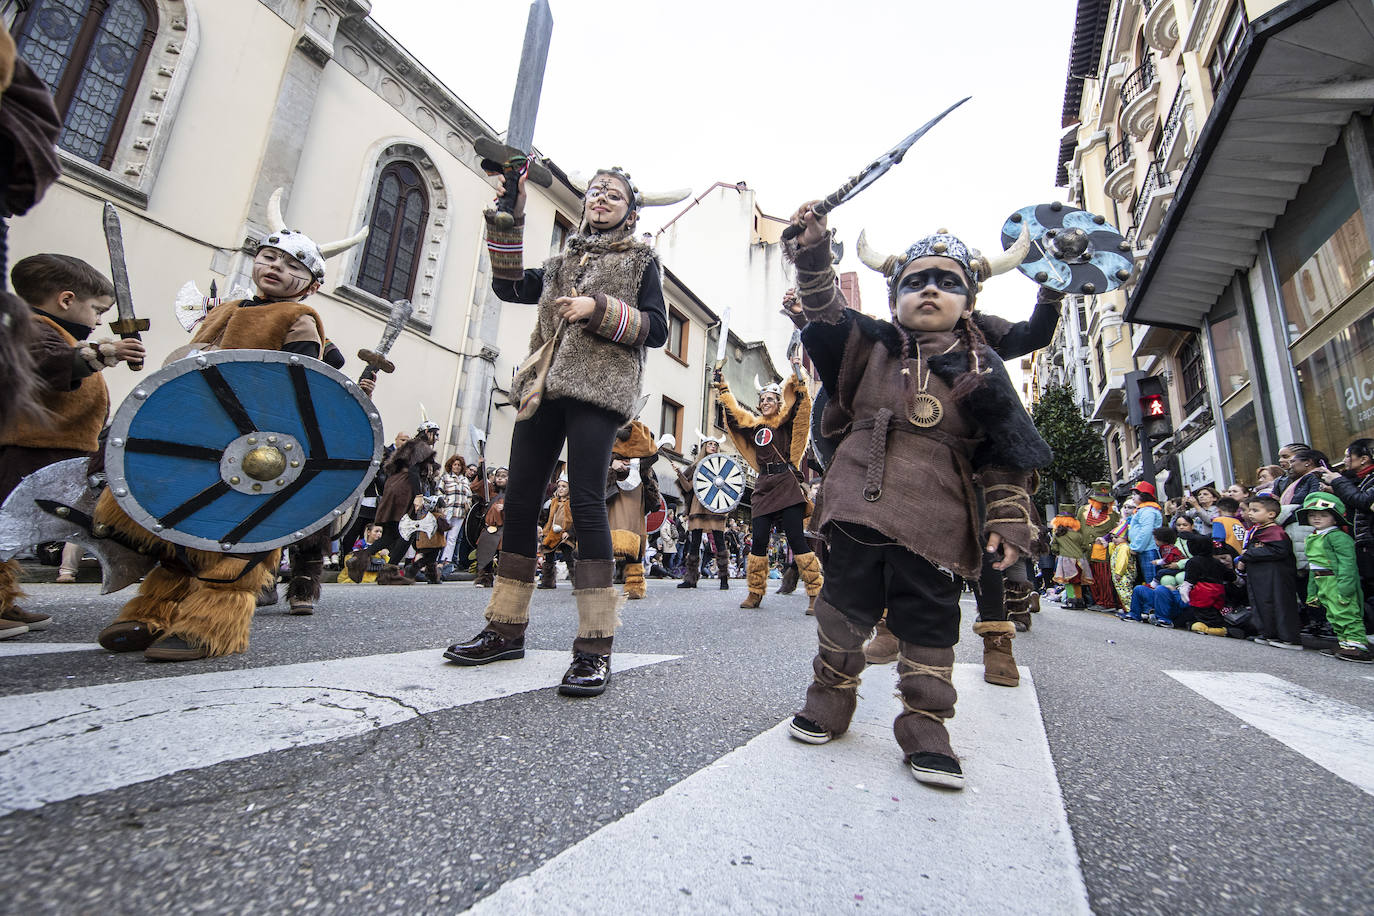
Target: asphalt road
<point>400,784</point>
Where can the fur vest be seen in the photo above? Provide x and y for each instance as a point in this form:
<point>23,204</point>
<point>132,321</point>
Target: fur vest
<point>74,417</point>
<point>587,366</point>
<point>234,326</point>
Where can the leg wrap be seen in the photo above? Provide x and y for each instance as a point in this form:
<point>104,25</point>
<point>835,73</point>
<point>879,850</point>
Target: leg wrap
<point>999,665</point>
<point>598,604</point>
<point>303,588</point>
<point>512,590</point>
<point>634,580</point>
<point>722,560</point>
<point>756,574</point>
<point>218,615</point>
<point>809,567</point>
<point>1019,603</point>
<point>925,685</point>
<point>549,571</point>
<point>10,591</point>
<point>158,596</point>
<point>833,694</point>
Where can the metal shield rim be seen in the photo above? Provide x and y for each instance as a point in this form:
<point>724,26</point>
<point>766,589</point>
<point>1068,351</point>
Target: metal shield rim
<point>123,418</point>
<point>720,458</point>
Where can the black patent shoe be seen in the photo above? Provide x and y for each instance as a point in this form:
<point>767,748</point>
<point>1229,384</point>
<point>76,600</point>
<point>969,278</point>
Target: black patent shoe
<point>587,676</point>
<point>486,646</point>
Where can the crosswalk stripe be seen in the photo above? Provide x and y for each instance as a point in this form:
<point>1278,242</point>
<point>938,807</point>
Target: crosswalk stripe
<point>63,743</point>
<point>1333,734</point>
<point>780,826</point>
<point>14,648</point>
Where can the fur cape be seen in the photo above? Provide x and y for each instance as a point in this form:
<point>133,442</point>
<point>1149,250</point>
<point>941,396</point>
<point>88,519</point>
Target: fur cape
<point>634,440</point>
<point>741,422</point>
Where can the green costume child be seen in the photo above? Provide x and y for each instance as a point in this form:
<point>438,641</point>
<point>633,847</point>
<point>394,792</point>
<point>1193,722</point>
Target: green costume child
<point>1333,578</point>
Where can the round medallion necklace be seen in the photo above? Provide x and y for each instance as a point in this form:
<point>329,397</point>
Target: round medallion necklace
<point>922,409</point>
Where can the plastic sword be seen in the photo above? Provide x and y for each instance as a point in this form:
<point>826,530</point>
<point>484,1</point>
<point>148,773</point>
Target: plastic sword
<point>376,359</point>
<point>128,325</point>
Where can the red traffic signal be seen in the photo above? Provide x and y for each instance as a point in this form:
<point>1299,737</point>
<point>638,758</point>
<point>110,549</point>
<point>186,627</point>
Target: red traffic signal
<point>1152,405</point>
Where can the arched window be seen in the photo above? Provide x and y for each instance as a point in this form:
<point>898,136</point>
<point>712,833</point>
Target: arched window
<point>90,53</point>
<point>400,212</point>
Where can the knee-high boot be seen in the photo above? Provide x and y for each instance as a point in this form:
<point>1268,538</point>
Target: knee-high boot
<point>508,614</point>
<point>925,682</point>
<point>634,580</point>
<point>833,695</point>
<point>598,615</point>
<point>548,573</point>
<point>1019,604</point>
<point>999,665</point>
<point>691,572</point>
<point>723,566</point>
<point>756,577</point>
<point>790,576</point>
<point>809,568</point>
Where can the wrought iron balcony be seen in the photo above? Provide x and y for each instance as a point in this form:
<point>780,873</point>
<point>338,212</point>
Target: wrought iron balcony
<point>1118,155</point>
<point>1137,81</point>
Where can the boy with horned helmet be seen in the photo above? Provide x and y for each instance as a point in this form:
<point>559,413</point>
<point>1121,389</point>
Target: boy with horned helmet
<point>934,467</point>
<point>198,604</point>
<point>600,306</point>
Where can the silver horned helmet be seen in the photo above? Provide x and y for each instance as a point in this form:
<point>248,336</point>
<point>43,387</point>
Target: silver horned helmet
<point>299,245</point>
<point>976,265</point>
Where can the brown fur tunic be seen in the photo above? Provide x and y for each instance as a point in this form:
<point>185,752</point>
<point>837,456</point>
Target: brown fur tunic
<point>75,416</point>
<point>791,427</point>
<point>260,326</point>
<point>587,366</point>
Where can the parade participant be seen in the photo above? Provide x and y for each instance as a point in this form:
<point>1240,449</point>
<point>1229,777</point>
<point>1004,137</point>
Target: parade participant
<point>631,493</point>
<point>1099,518</point>
<point>411,472</point>
<point>1071,547</point>
<point>600,305</point>
<point>494,527</point>
<point>197,604</point>
<point>66,297</point>
<point>773,442</point>
<point>558,537</point>
<point>430,534</point>
<point>702,523</point>
<point>923,406</point>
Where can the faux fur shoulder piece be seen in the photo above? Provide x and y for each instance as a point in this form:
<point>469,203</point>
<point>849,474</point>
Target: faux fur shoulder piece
<point>413,454</point>
<point>1012,441</point>
<point>792,394</point>
<point>795,409</point>
<point>634,440</point>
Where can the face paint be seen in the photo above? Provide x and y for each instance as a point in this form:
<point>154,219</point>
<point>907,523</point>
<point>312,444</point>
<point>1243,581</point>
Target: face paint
<point>947,281</point>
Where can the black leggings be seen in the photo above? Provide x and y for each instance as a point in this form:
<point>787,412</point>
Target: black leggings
<point>534,448</point>
<point>715,542</point>
<point>791,520</point>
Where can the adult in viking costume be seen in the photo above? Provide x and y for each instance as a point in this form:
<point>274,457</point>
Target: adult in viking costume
<point>933,469</point>
<point>702,523</point>
<point>600,305</point>
<point>558,536</point>
<point>631,493</point>
<point>198,603</point>
<point>773,442</point>
<point>411,471</point>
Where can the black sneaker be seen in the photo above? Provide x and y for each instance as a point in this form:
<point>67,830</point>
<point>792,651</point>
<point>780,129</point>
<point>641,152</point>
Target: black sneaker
<point>936,770</point>
<point>486,646</point>
<point>803,729</point>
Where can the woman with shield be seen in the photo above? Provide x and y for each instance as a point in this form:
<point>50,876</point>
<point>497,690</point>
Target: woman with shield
<point>703,523</point>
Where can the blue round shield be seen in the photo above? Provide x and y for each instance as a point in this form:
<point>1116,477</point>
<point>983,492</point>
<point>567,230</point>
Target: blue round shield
<point>242,450</point>
<point>1099,260</point>
<point>718,483</point>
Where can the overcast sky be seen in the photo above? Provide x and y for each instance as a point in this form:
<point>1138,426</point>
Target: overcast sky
<point>792,97</point>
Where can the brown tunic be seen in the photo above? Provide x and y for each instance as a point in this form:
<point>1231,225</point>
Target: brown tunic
<point>699,518</point>
<point>259,326</point>
<point>786,435</point>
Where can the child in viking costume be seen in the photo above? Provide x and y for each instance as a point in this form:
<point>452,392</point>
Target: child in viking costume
<point>702,523</point>
<point>558,537</point>
<point>1098,519</point>
<point>600,305</point>
<point>493,531</point>
<point>631,493</point>
<point>196,603</point>
<point>1071,547</point>
<point>66,297</point>
<point>773,442</point>
<point>933,469</point>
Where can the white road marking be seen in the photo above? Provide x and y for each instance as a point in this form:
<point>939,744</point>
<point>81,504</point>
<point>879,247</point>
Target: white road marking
<point>778,826</point>
<point>20,647</point>
<point>1333,734</point>
<point>63,743</point>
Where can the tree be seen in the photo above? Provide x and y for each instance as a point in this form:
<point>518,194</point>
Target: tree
<point>1079,453</point>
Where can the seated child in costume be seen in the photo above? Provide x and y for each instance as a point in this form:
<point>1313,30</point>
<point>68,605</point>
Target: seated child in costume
<point>1207,579</point>
<point>66,297</point>
<point>1333,579</point>
<point>1170,562</point>
<point>1226,525</point>
<point>921,396</point>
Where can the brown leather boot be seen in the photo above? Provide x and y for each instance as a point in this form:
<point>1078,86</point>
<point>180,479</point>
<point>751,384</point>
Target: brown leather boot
<point>883,648</point>
<point>999,665</point>
<point>756,576</point>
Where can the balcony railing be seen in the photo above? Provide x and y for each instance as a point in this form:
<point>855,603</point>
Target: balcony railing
<point>1118,155</point>
<point>1137,81</point>
<point>1172,121</point>
<point>1155,178</point>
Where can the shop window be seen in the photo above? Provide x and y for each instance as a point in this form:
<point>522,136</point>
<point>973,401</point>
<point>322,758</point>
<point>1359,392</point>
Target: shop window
<point>400,211</point>
<point>677,335</point>
<point>1321,250</point>
<point>1228,42</point>
<point>1229,351</point>
<point>90,53</point>
<point>1337,386</point>
<point>670,422</point>
<point>1193,375</point>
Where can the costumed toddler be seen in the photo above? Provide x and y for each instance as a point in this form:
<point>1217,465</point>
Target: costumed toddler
<point>933,468</point>
<point>631,493</point>
<point>1071,546</point>
<point>1333,579</point>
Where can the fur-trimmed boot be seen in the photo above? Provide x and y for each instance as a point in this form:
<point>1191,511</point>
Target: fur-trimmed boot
<point>1019,603</point>
<point>215,616</point>
<point>391,574</point>
<point>925,684</point>
<point>548,573</point>
<point>999,665</point>
<point>508,614</point>
<point>303,593</point>
<point>691,571</point>
<point>756,576</point>
<point>809,568</point>
<point>598,615</point>
<point>833,695</point>
<point>883,648</point>
<point>268,596</point>
<point>790,577</point>
<point>148,614</point>
<point>634,581</point>
<point>723,568</point>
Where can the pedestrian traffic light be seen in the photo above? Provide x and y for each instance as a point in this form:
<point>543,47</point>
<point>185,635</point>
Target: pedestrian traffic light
<point>1154,408</point>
